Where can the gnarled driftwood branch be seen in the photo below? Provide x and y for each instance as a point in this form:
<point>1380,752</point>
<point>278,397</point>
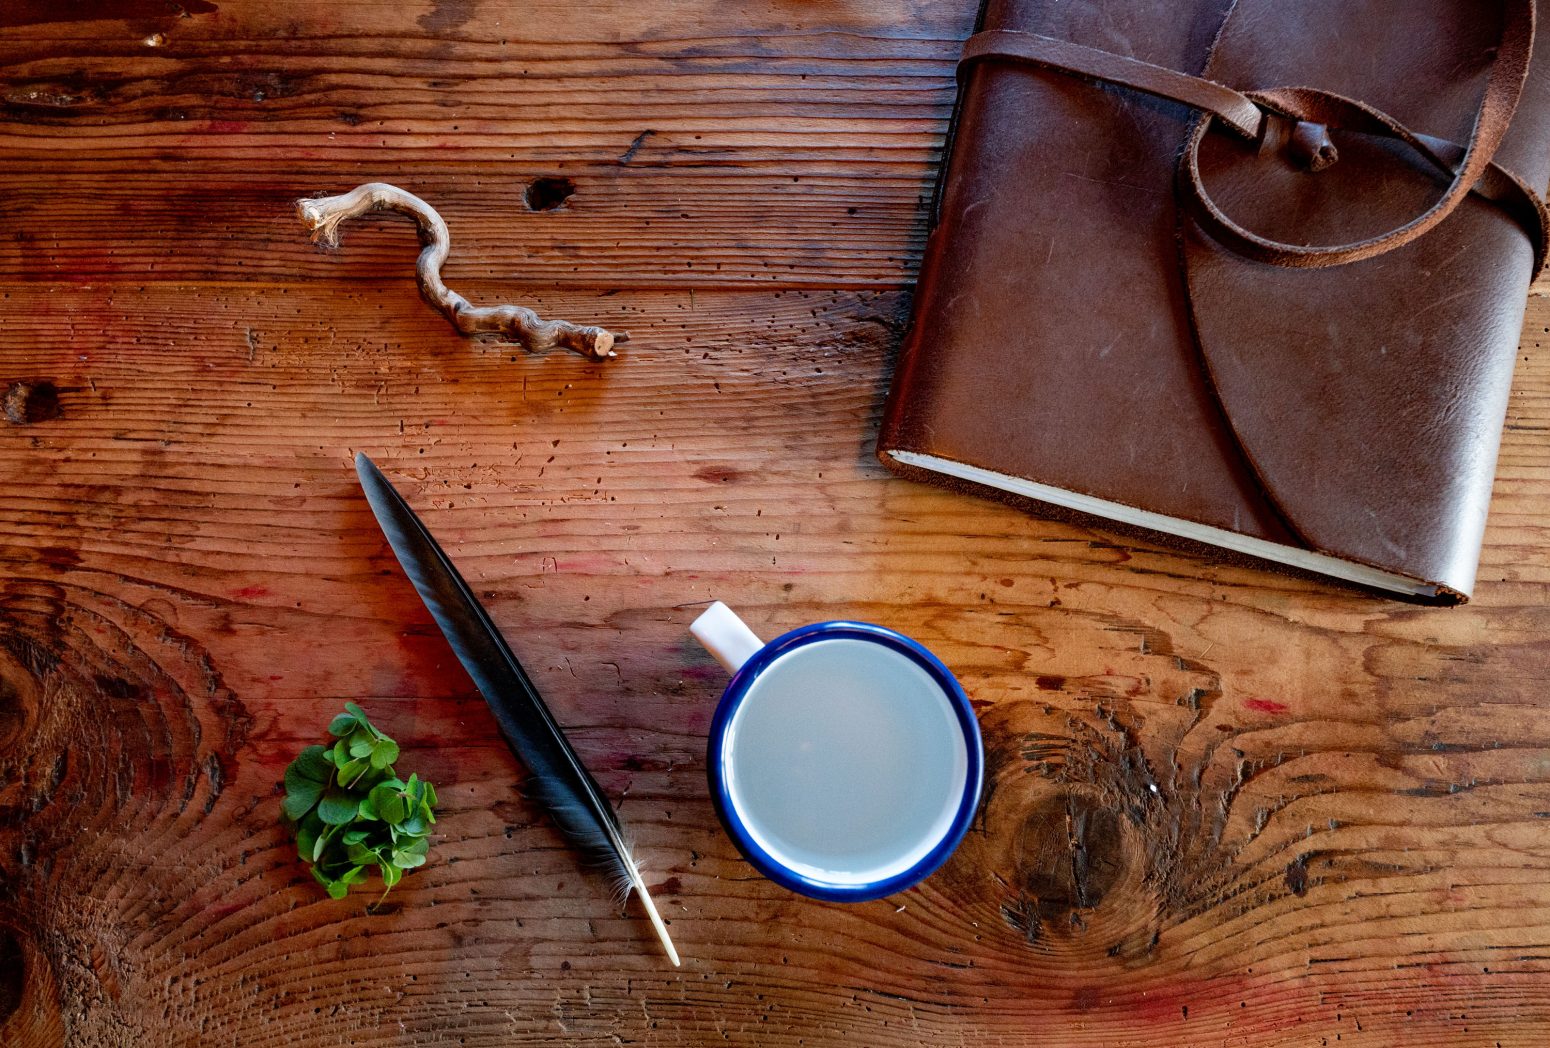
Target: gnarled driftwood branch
<point>323,215</point>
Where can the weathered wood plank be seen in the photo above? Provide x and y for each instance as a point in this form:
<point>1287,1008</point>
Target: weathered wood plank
<point>796,223</point>
<point>1227,808</point>
<point>707,144</point>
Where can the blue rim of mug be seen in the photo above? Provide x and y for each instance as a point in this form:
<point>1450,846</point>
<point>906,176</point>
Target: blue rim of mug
<point>767,864</point>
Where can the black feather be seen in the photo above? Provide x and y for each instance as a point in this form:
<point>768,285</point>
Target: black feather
<point>557,779</point>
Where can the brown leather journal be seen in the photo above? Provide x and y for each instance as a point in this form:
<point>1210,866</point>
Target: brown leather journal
<point>1245,274</point>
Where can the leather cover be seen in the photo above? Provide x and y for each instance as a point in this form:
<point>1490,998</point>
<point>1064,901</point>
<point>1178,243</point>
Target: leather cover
<point>1075,326</point>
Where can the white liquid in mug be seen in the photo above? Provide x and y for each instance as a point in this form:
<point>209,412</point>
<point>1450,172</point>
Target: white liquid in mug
<point>845,761</point>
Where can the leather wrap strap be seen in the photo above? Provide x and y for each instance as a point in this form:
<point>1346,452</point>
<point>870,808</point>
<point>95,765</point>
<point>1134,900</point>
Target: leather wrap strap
<point>1231,107</point>
<point>1251,114</point>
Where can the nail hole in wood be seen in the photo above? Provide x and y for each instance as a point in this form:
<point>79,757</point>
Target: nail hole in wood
<point>548,193</point>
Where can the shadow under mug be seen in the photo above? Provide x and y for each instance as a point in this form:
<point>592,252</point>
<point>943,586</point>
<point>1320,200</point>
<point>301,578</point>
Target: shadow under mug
<point>845,761</point>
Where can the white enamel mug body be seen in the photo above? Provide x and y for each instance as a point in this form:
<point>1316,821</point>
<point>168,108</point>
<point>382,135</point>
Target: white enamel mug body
<point>845,761</point>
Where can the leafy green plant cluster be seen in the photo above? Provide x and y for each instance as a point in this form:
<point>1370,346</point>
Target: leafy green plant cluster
<point>350,809</point>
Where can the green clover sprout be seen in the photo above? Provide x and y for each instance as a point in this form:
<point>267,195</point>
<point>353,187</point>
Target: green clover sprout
<point>351,811</point>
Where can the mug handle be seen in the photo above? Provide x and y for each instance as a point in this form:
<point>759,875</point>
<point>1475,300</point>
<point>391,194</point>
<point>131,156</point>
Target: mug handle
<point>725,636</point>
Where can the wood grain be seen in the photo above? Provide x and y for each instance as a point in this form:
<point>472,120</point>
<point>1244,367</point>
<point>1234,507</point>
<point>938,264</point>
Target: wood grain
<point>709,145</point>
<point>1223,807</point>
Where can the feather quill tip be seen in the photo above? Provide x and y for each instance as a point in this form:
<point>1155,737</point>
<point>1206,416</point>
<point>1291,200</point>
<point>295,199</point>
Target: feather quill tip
<point>656,922</point>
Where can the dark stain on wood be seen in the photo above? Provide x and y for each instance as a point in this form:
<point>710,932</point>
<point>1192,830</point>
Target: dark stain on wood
<point>1085,998</point>
<point>117,687</point>
<point>44,12</point>
<point>26,402</point>
<point>446,15</point>
<point>13,713</point>
<point>13,973</point>
<point>634,147</point>
<point>217,768</point>
<point>718,474</point>
<point>1297,876</point>
<point>50,98</point>
<point>35,656</point>
<point>59,557</point>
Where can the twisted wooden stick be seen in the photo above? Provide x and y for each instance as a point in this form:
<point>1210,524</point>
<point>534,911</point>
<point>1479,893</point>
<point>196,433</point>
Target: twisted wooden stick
<point>322,215</point>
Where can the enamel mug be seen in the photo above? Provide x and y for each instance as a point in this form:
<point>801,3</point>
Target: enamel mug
<point>845,761</point>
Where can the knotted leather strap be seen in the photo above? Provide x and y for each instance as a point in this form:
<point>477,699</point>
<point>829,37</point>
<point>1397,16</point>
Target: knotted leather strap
<point>1470,168</point>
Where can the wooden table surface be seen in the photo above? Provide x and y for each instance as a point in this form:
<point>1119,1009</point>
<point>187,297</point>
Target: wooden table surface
<point>1222,807</point>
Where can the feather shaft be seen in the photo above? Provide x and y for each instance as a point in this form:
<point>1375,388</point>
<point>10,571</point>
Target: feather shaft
<point>651,912</point>
<point>557,778</point>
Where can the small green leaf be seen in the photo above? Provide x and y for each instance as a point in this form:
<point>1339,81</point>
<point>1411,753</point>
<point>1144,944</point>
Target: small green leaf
<point>354,836</point>
<point>393,808</point>
<point>382,791</point>
<point>391,874</point>
<point>350,773</point>
<point>415,824</point>
<point>343,724</point>
<point>407,859</point>
<point>306,841</point>
<point>418,846</point>
<point>367,780</point>
<point>311,763</point>
<point>384,753</point>
<point>402,839</point>
<point>298,805</point>
<point>332,864</point>
<point>360,715</point>
<point>337,889</point>
<point>340,753</point>
<point>295,779</point>
<point>430,796</point>
<point>322,840</point>
<point>299,799</point>
<point>360,854</point>
<point>368,807</point>
<point>338,807</point>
